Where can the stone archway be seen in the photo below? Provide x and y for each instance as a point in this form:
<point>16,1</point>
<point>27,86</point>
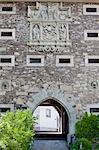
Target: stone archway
<point>53,121</point>
<point>58,96</point>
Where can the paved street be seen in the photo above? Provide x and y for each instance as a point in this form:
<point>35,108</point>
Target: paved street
<point>50,145</point>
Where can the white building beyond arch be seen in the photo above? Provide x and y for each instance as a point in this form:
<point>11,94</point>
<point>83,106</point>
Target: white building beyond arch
<point>59,97</point>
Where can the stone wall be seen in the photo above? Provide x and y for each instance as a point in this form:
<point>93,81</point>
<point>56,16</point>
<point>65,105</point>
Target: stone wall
<point>25,81</point>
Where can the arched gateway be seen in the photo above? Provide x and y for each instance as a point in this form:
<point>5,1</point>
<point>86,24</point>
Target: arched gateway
<point>60,98</point>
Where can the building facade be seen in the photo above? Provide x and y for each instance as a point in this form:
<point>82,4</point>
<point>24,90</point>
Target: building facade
<point>48,119</point>
<point>50,50</point>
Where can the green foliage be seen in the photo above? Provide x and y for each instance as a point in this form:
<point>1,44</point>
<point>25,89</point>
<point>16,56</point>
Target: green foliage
<point>97,124</point>
<point>16,130</point>
<point>88,127</point>
<point>98,121</point>
<point>86,145</point>
<point>97,147</point>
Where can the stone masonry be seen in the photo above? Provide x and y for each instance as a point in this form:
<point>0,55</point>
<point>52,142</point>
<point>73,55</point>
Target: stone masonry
<point>23,81</point>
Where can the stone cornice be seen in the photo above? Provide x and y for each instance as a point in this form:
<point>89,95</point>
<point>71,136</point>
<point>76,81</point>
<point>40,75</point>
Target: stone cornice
<point>68,1</point>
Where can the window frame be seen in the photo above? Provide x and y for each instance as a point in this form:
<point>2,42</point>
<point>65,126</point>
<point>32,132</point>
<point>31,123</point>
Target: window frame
<point>48,113</point>
<point>71,64</point>
<point>8,12</point>
<point>90,13</point>
<point>86,38</point>
<point>7,37</point>
<point>11,106</point>
<point>35,64</point>
<point>87,57</point>
<point>8,64</point>
<point>89,106</point>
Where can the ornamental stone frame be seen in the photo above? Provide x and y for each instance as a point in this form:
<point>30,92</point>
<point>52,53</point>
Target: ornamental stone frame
<point>12,63</point>
<point>58,96</point>
<point>90,6</point>
<point>13,11</point>
<point>12,37</point>
<point>87,57</point>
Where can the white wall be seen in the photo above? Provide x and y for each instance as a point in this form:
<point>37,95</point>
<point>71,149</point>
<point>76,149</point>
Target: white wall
<point>47,123</point>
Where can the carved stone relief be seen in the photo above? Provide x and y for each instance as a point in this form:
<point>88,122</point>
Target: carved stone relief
<point>49,31</point>
<point>62,32</point>
<point>49,24</point>
<point>94,84</point>
<point>5,85</point>
<point>36,32</point>
<point>49,12</point>
<point>49,49</point>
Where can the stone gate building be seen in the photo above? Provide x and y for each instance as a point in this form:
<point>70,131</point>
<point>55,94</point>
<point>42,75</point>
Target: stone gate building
<point>49,52</point>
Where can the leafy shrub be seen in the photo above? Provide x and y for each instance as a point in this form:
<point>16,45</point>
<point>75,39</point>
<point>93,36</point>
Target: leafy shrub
<point>97,147</point>
<point>16,130</point>
<point>86,145</point>
<point>97,121</point>
<point>88,127</point>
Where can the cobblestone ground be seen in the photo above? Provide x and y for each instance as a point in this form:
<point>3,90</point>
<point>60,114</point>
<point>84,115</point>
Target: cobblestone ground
<point>50,145</point>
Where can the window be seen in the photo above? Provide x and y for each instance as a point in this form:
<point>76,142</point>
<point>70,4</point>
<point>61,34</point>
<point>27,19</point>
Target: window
<point>8,9</point>
<point>91,35</point>
<point>93,108</point>
<point>2,110</point>
<point>7,34</point>
<point>90,9</point>
<point>35,60</point>
<point>7,60</point>
<point>6,107</point>
<point>64,60</point>
<point>92,60</point>
<point>48,113</point>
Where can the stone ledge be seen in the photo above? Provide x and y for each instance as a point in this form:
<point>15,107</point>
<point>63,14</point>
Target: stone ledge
<point>11,106</point>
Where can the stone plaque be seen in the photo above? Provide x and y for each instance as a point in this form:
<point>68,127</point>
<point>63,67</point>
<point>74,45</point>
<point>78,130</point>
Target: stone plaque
<point>49,24</point>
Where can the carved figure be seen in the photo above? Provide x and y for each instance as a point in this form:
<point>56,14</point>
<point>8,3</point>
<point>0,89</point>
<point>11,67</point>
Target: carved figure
<point>62,32</point>
<point>51,12</point>
<point>44,14</point>
<point>36,32</point>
